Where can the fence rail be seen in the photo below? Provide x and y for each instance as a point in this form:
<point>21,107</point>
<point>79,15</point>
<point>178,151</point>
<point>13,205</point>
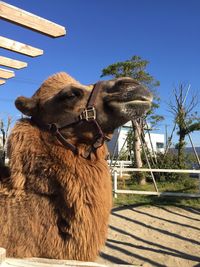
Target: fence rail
<point>118,171</point>
<point>154,170</point>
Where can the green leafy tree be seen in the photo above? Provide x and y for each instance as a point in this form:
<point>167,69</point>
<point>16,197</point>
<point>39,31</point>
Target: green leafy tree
<point>135,67</point>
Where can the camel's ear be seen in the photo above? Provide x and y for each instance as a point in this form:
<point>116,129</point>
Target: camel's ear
<point>28,106</point>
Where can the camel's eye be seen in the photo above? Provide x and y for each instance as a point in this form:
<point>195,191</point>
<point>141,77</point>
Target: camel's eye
<point>71,94</point>
<point>66,95</point>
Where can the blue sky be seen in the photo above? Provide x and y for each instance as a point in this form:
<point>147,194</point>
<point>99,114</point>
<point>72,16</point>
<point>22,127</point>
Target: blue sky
<point>101,32</point>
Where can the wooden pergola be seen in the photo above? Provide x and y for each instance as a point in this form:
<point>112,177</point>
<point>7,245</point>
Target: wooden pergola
<point>30,21</point>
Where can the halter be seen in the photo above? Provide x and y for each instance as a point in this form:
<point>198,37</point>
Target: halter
<point>89,115</point>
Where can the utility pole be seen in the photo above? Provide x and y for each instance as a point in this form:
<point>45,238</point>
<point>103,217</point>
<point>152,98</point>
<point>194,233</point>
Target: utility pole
<point>166,135</point>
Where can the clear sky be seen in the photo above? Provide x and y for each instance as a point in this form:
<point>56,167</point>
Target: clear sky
<point>101,32</point>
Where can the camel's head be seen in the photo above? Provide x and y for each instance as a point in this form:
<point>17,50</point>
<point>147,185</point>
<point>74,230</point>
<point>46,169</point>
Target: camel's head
<point>61,98</point>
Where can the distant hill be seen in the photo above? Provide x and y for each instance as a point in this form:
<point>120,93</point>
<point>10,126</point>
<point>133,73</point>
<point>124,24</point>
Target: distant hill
<point>188,150</point>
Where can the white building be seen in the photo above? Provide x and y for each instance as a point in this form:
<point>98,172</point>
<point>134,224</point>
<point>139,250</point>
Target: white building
<point>154,141</point>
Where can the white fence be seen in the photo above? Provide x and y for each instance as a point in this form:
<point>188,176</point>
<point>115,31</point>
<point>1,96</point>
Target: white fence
<point>120,164</point>
<point>116,171</point>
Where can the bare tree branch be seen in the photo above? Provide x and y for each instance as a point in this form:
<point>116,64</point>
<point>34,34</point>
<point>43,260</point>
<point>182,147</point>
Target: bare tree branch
<point>186,122</point>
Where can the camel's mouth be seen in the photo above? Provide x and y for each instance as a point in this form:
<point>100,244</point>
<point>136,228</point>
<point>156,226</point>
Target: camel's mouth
<point>135,108</point>
<point>135,103</point>
<point>139,102</point>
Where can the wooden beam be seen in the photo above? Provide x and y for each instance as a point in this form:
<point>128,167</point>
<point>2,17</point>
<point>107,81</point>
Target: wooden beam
<point>11,63</point>
<point>41,262</point>
<point>19,47</point>
<point>6,74</point>
<point>2,82</point>
<point>29,20</point>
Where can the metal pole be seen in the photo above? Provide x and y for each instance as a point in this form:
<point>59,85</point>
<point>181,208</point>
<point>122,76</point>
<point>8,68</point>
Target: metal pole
<point>186,94</point>
<point>194,149</point>
<point>148,163</point>
<point>115,147</point>
<point>169,141</point>
<point>121,166</point>
<point>166,136</point>
<point>153,151</point>
<point>147,149</point>
<point>199,182</point>
<point>120,151</point>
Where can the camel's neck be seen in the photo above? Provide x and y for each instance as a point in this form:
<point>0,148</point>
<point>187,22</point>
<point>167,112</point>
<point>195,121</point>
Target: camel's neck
<point>85,134</point>
<point>26,138</point>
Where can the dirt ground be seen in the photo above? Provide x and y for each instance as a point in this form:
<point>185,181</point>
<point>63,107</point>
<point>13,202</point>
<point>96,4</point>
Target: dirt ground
<point>153,236</point>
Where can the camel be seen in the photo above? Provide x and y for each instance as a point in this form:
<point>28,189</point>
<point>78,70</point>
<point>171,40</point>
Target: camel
<point>57,199</point>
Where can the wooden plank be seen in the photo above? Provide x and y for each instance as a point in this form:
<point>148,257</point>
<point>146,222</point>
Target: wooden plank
<point>19,47</point>
<point>41,262</point>
<point>11,262</point>
<point>29,20</point>
<point>2,82</point>
<point>6,74</point>
<point>29,263</point>
<point>54,262</point>
<point>11,63</point>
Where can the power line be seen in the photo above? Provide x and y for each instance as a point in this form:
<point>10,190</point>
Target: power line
<point>25,80</point>
<point>7,100</point>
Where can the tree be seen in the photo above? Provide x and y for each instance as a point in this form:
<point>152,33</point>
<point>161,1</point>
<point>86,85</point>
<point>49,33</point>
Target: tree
<point>186,120</point>
<point>135,67</point>
<point>4,130</point>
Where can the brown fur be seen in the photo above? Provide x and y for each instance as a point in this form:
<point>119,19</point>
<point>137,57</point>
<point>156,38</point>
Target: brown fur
<point>60,205</point>
<point>55,204</point>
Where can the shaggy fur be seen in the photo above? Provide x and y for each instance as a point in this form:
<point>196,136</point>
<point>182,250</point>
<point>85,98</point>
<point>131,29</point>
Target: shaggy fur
<point>56,204</point>
<point>59,205</point>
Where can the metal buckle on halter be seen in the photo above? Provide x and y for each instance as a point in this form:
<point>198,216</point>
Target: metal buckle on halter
<point>88,114</point>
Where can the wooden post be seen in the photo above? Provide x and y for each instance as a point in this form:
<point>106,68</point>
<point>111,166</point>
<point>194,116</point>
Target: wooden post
<point>121,167</point>
<point>115,184</point>
<point>2,255</point>
<point>199,182</point>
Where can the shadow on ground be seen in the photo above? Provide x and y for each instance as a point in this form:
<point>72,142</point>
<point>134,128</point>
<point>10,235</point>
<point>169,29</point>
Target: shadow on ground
<point>153,236</point>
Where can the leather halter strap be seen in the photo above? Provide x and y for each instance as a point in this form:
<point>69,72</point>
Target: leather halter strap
<point>88,114</point>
